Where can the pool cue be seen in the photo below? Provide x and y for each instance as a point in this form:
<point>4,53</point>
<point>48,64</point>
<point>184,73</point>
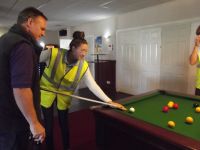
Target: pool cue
<point>78,97</point>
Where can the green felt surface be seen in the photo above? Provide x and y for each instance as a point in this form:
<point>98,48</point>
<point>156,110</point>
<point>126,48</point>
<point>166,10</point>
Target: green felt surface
<point>149,109</point>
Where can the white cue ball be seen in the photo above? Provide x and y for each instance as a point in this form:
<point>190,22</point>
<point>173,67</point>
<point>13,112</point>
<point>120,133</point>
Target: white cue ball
<point>132,109</point>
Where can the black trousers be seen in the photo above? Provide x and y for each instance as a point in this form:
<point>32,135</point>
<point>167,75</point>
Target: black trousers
<point>14,140</point>
<point>17,141</point>
<point>197,92</point>
<point>48,123</point>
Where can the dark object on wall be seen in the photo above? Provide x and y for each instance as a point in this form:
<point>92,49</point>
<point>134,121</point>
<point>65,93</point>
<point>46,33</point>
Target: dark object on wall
<point>105,75</point>
<point>63,32</point>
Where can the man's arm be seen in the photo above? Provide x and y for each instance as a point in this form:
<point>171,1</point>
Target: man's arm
<point>21,69</point>
<point>24,100</point>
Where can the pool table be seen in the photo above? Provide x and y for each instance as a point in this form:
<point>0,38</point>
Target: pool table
<point>147,128</point>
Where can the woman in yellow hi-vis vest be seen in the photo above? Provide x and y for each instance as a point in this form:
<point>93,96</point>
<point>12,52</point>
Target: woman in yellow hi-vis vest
<point>195,59</point>
<point>64,71</point>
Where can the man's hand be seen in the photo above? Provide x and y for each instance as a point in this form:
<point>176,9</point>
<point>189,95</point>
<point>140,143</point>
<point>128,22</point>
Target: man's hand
<point>117,105</point>
<point>38,132</point>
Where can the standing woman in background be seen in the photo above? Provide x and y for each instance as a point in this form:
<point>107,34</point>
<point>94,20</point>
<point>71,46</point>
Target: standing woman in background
<point>64,71</point>
<point>195,59</point>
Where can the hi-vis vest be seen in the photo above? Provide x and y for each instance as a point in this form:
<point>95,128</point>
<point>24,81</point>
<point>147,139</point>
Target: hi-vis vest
<point>198,72</point>
<point>55,78</point>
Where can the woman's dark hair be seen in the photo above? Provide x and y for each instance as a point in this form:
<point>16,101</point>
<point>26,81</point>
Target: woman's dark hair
<point>78,39</point>
<point>79,35</point>
<point>198,31</point>
<point>29,12</point>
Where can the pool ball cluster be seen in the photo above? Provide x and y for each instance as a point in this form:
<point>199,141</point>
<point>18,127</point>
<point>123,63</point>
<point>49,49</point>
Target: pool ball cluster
<point>188,120</point>
<point>170,104</point>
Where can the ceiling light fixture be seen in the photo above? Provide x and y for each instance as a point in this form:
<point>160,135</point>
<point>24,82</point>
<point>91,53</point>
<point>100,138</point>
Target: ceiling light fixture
<point>105,5</point>
<point>42,5</point>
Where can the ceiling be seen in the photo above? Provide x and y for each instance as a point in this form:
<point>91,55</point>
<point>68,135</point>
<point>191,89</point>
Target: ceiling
<point>65,13</point>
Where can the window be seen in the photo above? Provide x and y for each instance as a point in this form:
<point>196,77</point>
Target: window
<point>64,43</point>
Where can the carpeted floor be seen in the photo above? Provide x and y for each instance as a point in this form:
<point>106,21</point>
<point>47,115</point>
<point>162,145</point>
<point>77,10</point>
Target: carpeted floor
<point>82,131</point>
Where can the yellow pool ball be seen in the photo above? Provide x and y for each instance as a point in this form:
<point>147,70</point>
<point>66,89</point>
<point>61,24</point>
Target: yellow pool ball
<point>197,109</point>
<point>189,120</point>
<point>171,124</point>
<point>170,104</point>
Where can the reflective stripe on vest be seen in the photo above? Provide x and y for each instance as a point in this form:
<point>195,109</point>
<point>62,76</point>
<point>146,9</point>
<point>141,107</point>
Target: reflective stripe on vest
<point>56,63</point>
<point>73,86</point>
<point>53,69</point>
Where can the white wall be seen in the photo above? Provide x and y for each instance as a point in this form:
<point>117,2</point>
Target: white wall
<point>164,13</point>
<point>3,30</point>
<point>51,37</point>
<point>101,28</point>
<point>167,16</point>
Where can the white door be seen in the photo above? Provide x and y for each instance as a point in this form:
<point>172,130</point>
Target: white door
<point>174,57</point>
<point>138,60</point>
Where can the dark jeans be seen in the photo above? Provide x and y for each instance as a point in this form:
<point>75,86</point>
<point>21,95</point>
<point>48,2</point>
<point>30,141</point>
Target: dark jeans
<point>48,123</point>
<point>14,141</point>
<point>197,92</point>
<point>17,141</point>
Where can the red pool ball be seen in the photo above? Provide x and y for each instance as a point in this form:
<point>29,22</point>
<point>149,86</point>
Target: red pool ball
<point>175,106</point>
<point>165,109</point>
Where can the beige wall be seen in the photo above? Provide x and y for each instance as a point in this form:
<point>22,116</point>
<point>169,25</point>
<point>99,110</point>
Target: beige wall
<point>51,37</point>
<point>166,12</point>
<point>177,10</point>
<point>3,30</point>
<point>100,28</point>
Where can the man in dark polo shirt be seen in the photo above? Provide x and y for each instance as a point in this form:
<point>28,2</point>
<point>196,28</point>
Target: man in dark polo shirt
<point>19,81</point>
